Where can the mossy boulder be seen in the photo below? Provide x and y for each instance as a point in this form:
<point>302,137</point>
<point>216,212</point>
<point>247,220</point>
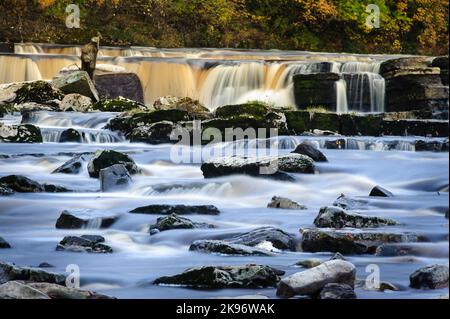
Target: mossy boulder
<point>156,133</point>
<point>39,92</point>
<point>173,221</point>
<point>119,104</point>
<point>6,109</point>
<point>253,109</point>
<point>70,135</point>
<point>316,89</point>
<point>24,133</point>
<point>106,158</point>
<point>194,108</point>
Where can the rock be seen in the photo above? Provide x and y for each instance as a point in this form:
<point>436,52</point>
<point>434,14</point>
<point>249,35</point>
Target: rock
<point>24,133</point>
<point>225,248</point>
<point>428,128</point>
<point>390,67</point>
<point>431,277</point>
<point>4,243</point>
<point>19,290</point>
<point>339,144</point>
<point>284,203</point>
<point>9,272</point>
<point>440,62</point>
<point>72,166</point>
<point>348,242</point>
<point>384,285</point>
<point>50,188</point>
<point>337,291</point>
<point>40,92</point>
<point>349,203</point>
<point>337,256</point>
<point>6,109</point>
<point>118,104</point>
<point>114,177</point>
<point>156,133</point>
<point>270,167</point>
<point>61,292</point>
<point>256,109</point>
<point>302,121</point>
<point>76,103</point>
<point>70,135</point>
<point>76,82</point>
<point>45,265</point>
<point>5,190</point>
<point>7,47</point>
<point>309,150</point>
<point>309,263</point>
<point>278,238</point>
<point>193,107</point>
<point>21,184</point>
<point>316,89</point>
<point>336,217</point>
<point>84,244</point>
<point>84,219</point>
<point>312,281</point>
<point>176,209</point>
<point>175,222</point>
<point>216,277</point>
<point>429,146</point>
<point>106,158</point>
<point>113,85</point>
<point>379,191</point>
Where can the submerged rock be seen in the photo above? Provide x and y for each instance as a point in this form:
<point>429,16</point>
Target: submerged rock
<point>114,177</point>
<point>175,222</point>
<point>177,209</point>
<point>214,277</point>
<point>379,191</point>
<point>337,291</point>
<point>24,133</point>
<point>76,82</point>
<point>284,203</point>
<point>106,158</point>
<point>309,150</point>
<point>76,103</point>
<point>10,272</point>
<point>70,135</point>
<point>83,219</point>
<point>278,238</point>
<point>5,190</point>
<point>270,167</point>
<point>349,203</point>
<point>347,242</point>
<point>335,217</point>
<point>4,243</point>
<point>21,184</point>
<point>225,248</point>
<point>431,277</point>
<point>85,243</point>
<point>72,166</point>
<point>312,281</point>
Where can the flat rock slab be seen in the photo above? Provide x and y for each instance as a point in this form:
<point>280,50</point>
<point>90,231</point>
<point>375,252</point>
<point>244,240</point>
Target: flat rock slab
<point>10,272</point>
<point>173,221</point>
<point>277,237</point>
<point>225,248</point>
<point>84,219</point>
<point>177,209</point>
<point>85,243</point>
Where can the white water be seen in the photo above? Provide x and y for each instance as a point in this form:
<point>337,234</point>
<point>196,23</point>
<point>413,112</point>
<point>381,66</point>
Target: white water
<point>27,221</point>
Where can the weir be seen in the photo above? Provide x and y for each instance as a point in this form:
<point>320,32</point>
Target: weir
<point>214,77</point>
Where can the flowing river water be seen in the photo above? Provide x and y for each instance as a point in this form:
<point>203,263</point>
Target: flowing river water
<point>27,221</point>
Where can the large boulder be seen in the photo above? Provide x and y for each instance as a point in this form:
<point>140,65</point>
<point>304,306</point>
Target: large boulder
<point>72,166</point>
<point>76,103</point>
<point>350,242</point>
<point>84,219</point>
<point>278,238</point>
<point>216,277</point>
<point>270,167</point>
<point>316,89</point>
<point>113,85</point>
<point>10,272</point>
<point>431,277</point>
<point>21,184</point>
<point>113,178</point>
<point>40,92</point>
<point>176,209</point>
<point>24,133</point>
<point>284,203</point>
<point>311,151</point>
<point>76,82</point>
<point>105,158</point>
<point>224,248</point>
<point>312,281</point>
<point>70,136</point>
<point>336,217</point>
<point>173,221</point>
<point>85,243</point>
<point>4,244</point>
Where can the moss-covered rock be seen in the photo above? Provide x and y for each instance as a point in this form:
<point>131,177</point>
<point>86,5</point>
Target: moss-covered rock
<point>6,109</point>
<point>194,108</point>
<point>119,104</point>
<point>24,133</point>
<point>76,82</point>
<point>39,92</point>
<point>106,158</point>
<point>156,133</point>
<point>316,89</point>
<point>363,125</point>
<point>253,109</point>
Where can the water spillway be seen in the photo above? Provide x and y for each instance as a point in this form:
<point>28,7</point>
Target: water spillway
<point>215,77</point>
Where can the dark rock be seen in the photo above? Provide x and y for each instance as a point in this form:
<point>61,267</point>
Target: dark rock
<point>114,177</point>
<point>216,277</point>
<point>379,191</point>
<point>45,265</point>
<point>312,281</point>
<point>440,62</point>
<point>6,47</point>
<point>70,135</point>
<point>336,217</point>
<point>337,256</point>
<point>119,104</point>
<point>156,133</point>
<point>428,128</point>
<point>278,238</point>
<point>337,291</point>
<point>346,242</point>
<point>83,219</point>
<point>284,203</point>
<point>72,166</point>
<point>38,92</point>
<point>106,158</point>
<point>176,209</point>
<point>5,190</point>
<point>114,85</point>
<point>83,244</point>
<point>309,150</point>
<point>61,292</point>
<point>339,144</point>
<point>431,277</point>
<point>225,248</point>
<point>317,89</point>
<point>10,272</point>
<point>390,67</point>
<point>50,188</point>
<point>175,222</point>
<point>269,167</point>
<point>429,146</point>
<point>24,133</point>
<point>21,184</point>
<point>76,82</point>
<point>4,243</point>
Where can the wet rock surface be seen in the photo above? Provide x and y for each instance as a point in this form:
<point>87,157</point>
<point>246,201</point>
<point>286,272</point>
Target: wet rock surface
<point>311,151</point>
<point>114,178</point>
<point>177,209</point>
<point>10,272</point>
<point>25,133</point>
<point>84,219</point>
<point>106,158</point>
<point>431,277</point>
<point>284,203</point>
<point>85,243</point>
<point>72,166</point>
<point>225,248</point>
<point>379,191</point>
<point>173,221</point>
<point>277,237</point>
<point>337,291</point>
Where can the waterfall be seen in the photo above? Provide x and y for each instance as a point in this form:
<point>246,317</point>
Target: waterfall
<point>341,96</point>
